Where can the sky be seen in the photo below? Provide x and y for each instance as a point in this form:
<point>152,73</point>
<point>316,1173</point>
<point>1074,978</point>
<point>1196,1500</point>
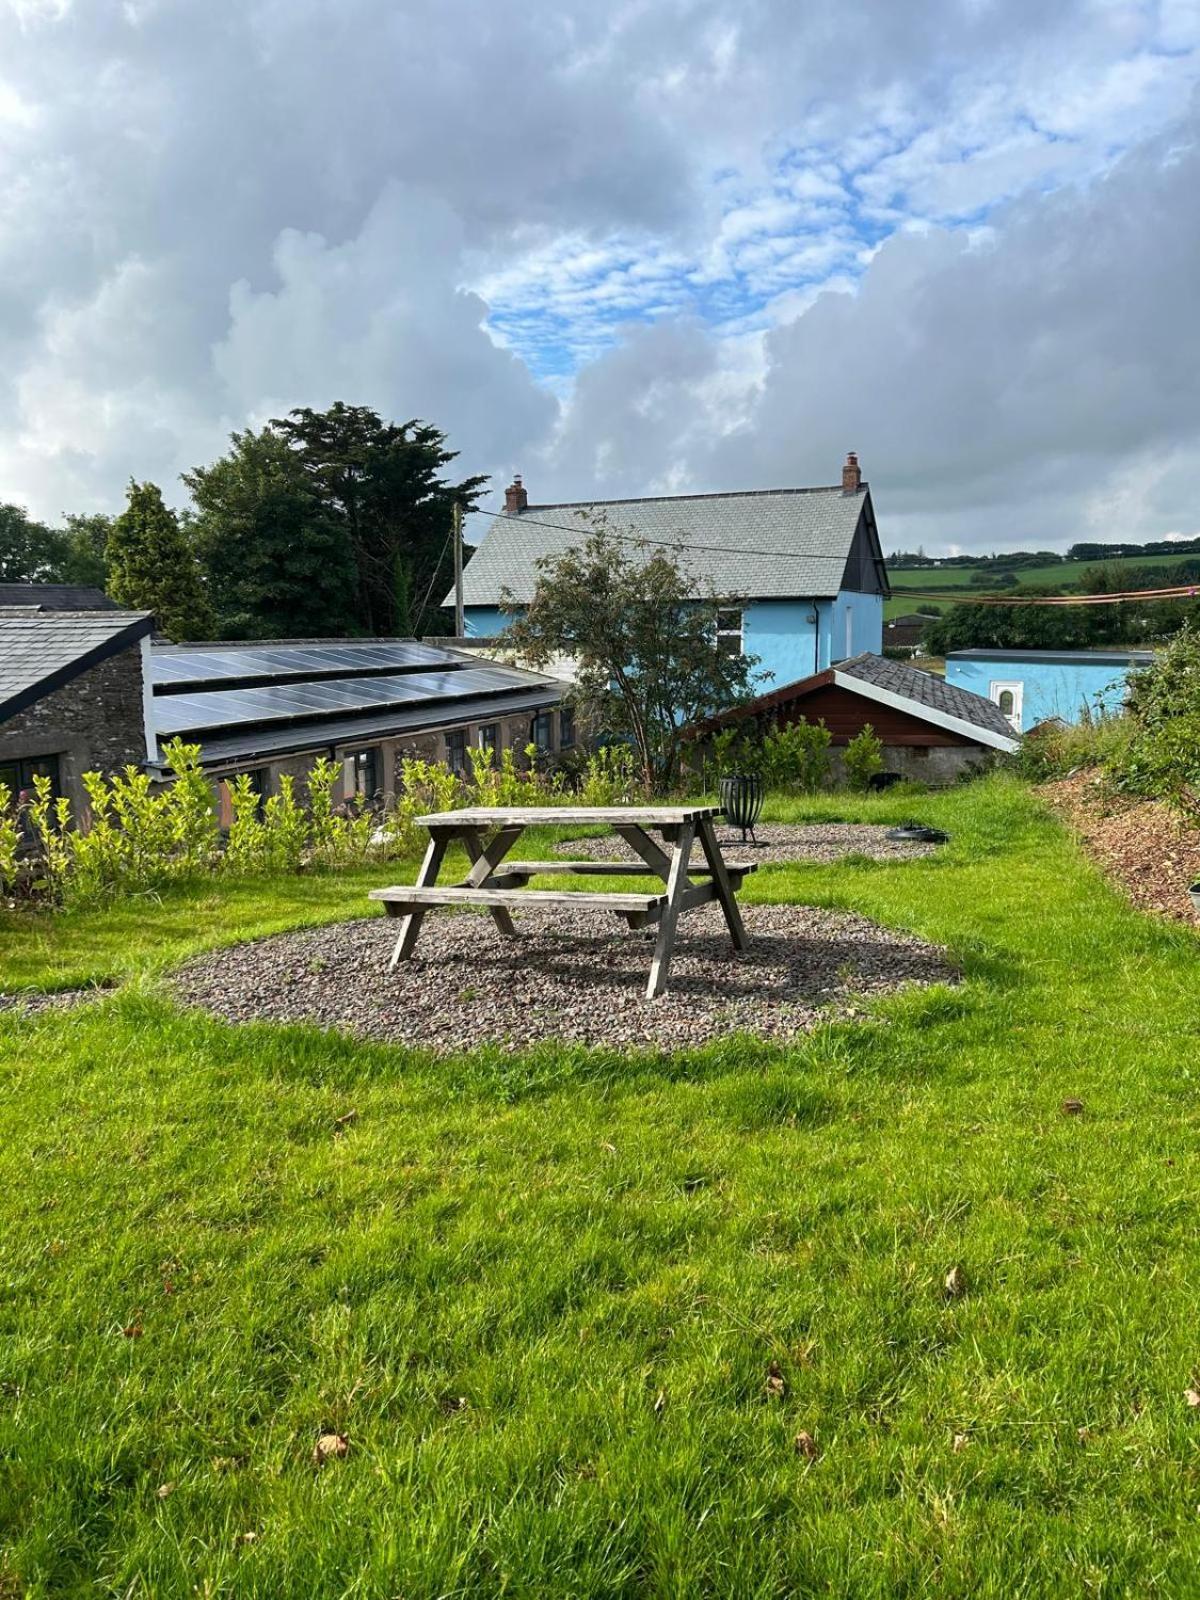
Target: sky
<point>644,247</point>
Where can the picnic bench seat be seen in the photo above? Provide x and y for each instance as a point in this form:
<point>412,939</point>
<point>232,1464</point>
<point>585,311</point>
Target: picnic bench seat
<point>495,884</point>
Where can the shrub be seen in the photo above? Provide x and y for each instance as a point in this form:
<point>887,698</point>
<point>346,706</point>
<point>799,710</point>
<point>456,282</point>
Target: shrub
<point>863,758</point>
<point>609,777</point>
<point>796,756</point>
<point>10,837</point>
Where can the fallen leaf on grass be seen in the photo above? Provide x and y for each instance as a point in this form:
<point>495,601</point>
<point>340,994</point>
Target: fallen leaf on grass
<point>246,1538</point>
<point>164,1489</point>
<point>776,1384</point>
<point>1192,1396</point>
<point>330,1447</point>
<point>961,1441</point>
<point>955,1284</point>
<point>133,1330</point>
<point>805,1445</point>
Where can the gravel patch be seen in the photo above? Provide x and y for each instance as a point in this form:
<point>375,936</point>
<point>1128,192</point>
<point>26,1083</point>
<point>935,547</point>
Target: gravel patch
<point>569,976</point>
<point>29,1002</point>
<point>777,841</point>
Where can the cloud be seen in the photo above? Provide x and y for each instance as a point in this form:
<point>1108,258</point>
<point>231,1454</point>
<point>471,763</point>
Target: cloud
<point>1031,384</point>
<point>629,248</point>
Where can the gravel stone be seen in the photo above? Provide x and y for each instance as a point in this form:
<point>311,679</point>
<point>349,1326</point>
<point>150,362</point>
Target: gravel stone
<point>569,976</point>
<point>830,841</point>
<point>29,1001</point>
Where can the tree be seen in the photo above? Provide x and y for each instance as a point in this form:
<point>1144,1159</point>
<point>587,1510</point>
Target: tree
<point>278,561</point>
<point>382,482</point>
<point>153,567</point>
<point>87,540</point>
<point>30,552</point>
<point>645,646</point>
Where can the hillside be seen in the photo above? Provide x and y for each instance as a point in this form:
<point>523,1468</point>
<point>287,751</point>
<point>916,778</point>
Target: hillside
<point>1063,576</point>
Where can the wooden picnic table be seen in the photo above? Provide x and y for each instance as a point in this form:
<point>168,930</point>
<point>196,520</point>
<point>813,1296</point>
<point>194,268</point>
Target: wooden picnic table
<point>488,833</point>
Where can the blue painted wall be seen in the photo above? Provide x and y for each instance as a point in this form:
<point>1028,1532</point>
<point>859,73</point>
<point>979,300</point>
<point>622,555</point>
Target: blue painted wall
<point>1049,688</point>
<point>483,622</point>
<point>792,638</point>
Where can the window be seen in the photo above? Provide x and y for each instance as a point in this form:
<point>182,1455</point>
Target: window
<point>489,736</point>
<point>729,631</point>
<point>17,775</point>
<point>1008,696</point>
<point>566,727</point>
<point>360,769</point>
<point>456,750</point>
<point>541,731</point>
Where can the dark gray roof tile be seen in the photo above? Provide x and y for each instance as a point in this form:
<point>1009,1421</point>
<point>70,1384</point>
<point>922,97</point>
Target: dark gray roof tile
<point>758,544</point>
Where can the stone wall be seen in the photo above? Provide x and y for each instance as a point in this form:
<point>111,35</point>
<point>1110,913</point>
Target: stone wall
<point>94,723</point>
<point>935,765</point>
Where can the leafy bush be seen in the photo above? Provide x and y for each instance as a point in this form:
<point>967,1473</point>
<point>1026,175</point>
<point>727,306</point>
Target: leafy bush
<point>796,756</point>
<point>609,777</point>
<point>1161,755</point>
<point>788,758</point>
<point>10,838</point>
<point>863,758</point>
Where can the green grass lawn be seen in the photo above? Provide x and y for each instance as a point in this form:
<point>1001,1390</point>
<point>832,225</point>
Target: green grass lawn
<point>542,1295</point>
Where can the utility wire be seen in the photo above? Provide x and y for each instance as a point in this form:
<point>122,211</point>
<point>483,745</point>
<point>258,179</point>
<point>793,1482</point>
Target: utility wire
<point>901,592</point>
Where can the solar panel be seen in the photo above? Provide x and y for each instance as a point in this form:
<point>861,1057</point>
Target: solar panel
<point>218,708</point>
<point>172,666</point>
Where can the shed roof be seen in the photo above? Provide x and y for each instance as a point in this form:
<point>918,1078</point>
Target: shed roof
<point>1081,658</point>
<point>56,596</point>
<point>894,683</point>
<point>40,651</point>
<point>758,544</point>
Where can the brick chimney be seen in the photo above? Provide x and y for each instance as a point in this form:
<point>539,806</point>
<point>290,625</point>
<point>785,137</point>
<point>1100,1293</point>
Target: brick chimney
<point>515,498</point>
<point>851,476</point>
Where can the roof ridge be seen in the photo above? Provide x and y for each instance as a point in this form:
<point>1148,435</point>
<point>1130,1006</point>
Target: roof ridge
<point>658,499</point>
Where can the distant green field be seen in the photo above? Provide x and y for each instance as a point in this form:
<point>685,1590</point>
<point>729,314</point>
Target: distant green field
<point>1063,575</point>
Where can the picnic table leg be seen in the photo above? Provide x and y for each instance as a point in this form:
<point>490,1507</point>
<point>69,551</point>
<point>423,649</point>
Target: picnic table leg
<point>720,878</point>
<point>677,883</point>
<point>435,851</point>
<point>484,861</point>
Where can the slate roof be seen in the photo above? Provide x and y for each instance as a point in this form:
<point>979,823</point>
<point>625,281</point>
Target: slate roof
<point>758,544</point>
<point>42,650</point>
<point>924,695</point>
<point>926,689</point>
<point>56,596</point>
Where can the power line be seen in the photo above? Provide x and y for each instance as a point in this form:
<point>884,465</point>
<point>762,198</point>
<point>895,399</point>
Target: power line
<point>670,544</point>
<point>901,592</point>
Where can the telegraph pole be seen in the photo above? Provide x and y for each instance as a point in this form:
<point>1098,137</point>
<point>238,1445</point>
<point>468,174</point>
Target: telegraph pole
<point>460,621</point>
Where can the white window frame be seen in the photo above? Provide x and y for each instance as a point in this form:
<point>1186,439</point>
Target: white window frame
<point>726,635</point>
<point>1016,688</point>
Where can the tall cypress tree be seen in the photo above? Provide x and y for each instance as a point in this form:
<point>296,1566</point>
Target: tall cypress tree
<point>383,482</point>
<point>152,567</point>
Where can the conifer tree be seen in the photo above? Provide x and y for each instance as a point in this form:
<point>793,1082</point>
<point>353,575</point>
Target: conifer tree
<point>152,566</point>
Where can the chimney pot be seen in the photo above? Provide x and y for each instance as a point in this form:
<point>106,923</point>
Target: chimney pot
<point>515,498</point>
<point>851,476</point>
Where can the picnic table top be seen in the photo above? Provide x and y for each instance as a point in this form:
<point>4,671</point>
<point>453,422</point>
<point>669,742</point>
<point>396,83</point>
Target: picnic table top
<point>506,816</point>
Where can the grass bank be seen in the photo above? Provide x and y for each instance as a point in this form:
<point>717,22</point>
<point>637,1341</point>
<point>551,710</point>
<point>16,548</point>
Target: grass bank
<point>573,1310</point>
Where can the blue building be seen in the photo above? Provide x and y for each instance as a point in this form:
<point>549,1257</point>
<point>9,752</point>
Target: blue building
<point>1031,686</point>
<point>801,571</point>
